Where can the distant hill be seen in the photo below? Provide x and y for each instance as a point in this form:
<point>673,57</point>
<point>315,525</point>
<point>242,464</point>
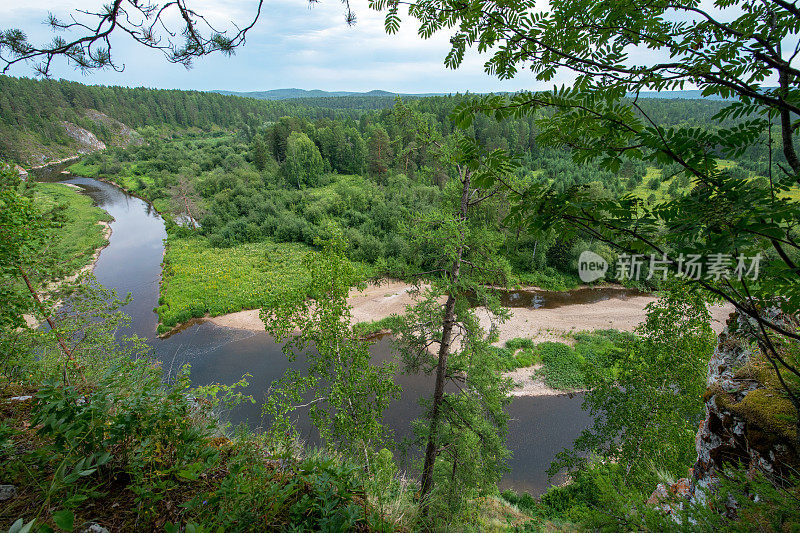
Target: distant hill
<point>285,94</point>
<point>684,95</point>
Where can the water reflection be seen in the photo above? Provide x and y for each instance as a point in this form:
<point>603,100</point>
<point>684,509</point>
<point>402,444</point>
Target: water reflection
<point>540,299</point>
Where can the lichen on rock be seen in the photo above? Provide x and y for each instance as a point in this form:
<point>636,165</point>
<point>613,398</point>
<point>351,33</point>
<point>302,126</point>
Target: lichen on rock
<point>750,421</point>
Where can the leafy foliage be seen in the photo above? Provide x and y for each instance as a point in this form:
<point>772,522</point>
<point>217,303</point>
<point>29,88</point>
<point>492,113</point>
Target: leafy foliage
<point>648,408</point>
<point>348,394</point>
<point>303,164</point>
<point>22,233</point>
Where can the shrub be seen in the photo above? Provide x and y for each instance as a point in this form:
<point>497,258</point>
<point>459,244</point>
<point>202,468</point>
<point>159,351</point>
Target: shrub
<point>563,367</point>
<point>156,452</point>
<point>525,358</point>
<point>519,344</point>
<point>504,358</point>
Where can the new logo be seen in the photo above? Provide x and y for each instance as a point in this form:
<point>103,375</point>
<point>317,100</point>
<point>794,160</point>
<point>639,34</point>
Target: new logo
<point>591,266</point>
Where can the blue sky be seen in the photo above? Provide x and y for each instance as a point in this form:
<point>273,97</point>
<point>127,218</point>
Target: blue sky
<point>292,46</point>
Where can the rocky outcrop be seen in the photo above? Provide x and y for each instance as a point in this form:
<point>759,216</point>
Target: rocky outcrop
<point>121,134</point>
<point>749,421</point>
<point>86,140</point>
<point>33,151</point>
<point>669,498</point>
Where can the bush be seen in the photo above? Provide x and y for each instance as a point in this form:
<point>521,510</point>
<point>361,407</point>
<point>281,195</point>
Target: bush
<point>504,358</point>
<point>130,450</point>
<point>525,358</point>
<point>563,367</point>
<point>522,353</point>
<point>569,502</point>
<point>519,344</point>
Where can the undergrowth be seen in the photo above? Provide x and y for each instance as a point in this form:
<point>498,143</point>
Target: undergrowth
<point>133,454</point>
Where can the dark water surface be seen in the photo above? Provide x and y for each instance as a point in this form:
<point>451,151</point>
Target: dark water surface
<point>539,427</point>
<point>539,299</point>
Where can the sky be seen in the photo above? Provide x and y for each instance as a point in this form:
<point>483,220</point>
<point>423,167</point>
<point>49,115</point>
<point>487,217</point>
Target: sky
<point>292,45</point>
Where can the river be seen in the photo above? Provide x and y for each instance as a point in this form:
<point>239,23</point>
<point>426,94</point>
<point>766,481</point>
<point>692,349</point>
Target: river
<point>538,429</point>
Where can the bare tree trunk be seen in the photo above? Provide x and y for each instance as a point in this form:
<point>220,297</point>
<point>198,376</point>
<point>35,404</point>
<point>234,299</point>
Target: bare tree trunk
<point>49,320</point>
<point>432,448</point>
<point>188,212</point>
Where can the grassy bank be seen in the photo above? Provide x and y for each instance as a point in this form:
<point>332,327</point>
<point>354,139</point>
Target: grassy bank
<point>77,227</point>
<point>126,176</point>
<point>548,279</point>
<point>199,279</point>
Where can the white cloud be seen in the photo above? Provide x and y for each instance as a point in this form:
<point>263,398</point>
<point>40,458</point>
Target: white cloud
<point>293,45</point>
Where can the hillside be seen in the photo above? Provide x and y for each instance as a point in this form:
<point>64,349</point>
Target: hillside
<point>48,120</point>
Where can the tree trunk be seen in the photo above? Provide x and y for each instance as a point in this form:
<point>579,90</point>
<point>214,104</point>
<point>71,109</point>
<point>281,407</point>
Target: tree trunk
<point>786,129</point>
<point>432,448</point>
<point>49,320</point>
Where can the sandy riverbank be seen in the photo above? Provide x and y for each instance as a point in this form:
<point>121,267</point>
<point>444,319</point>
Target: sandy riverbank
<point>388,298</point>
<point>380,301</point>
<point>373,303</point>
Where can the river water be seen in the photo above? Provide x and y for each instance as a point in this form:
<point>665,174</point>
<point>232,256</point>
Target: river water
<point>539,427</point>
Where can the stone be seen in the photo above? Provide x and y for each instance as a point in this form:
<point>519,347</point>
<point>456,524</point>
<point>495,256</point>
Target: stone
<point>670,498</point>
<point>94,528</point>
<point>739,426</point>
<point>659,495</point>
<point>20,398</point>
<point>680,489</point>
<point>745,420</point>
<point>7,492</point>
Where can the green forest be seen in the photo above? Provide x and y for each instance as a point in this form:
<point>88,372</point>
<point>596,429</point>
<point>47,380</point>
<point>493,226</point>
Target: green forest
<point>451,232</point>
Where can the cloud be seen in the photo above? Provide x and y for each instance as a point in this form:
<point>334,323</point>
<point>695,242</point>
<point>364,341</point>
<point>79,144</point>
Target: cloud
<point>293,45</point>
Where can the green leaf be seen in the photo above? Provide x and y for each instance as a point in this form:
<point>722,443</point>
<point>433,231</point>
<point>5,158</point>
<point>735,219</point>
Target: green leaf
<point>187,474</point>
<point>64,519</point>
<point>21,527</point>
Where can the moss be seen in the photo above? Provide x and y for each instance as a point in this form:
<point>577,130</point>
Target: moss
<point>759,370</point>
<point>711,391</point>
<point>724,401</point>
<point>771,411</point>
